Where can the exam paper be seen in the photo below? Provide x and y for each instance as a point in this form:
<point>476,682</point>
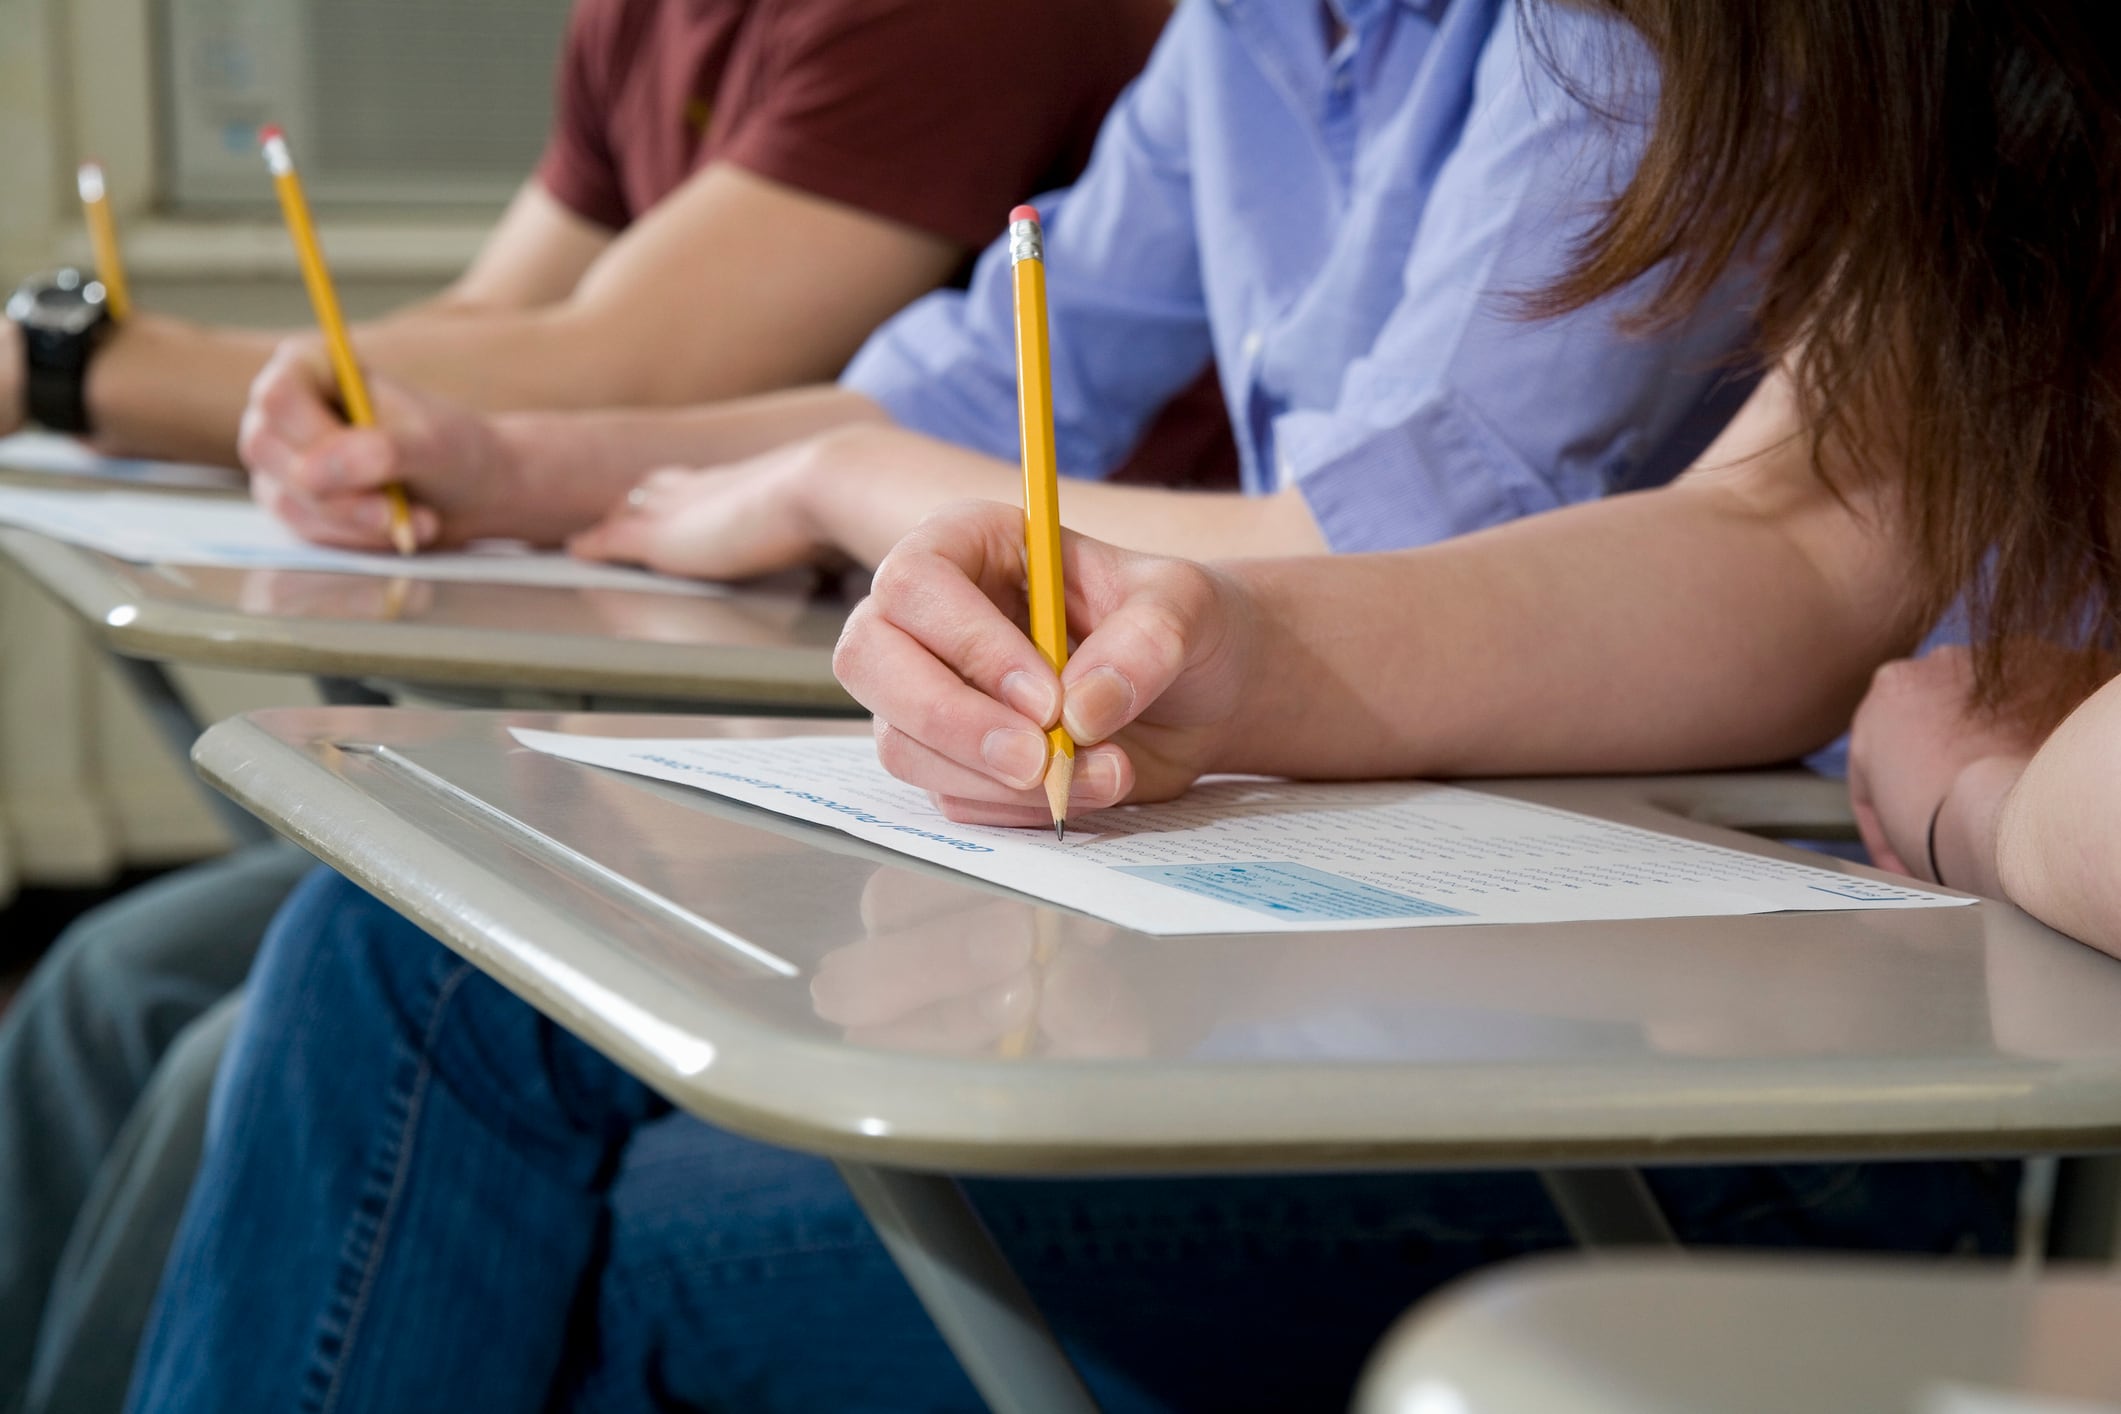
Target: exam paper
<point>1246,855</point>
<point>52,455</point>
<point>194,530</point>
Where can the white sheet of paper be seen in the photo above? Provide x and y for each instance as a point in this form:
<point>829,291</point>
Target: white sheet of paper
<point>49,454</point>
<point>1245,855</point>
<point>189,530</point>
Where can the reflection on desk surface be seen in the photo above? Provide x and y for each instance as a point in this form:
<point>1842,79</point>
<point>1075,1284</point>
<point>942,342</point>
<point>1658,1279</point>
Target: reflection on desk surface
<point>891,953</point>
<point>789,611</point>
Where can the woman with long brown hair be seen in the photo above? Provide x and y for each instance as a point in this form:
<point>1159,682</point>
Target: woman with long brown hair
<point>1931,193</point>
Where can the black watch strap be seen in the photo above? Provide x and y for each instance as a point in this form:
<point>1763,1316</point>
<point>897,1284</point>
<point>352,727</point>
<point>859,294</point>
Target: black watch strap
<point>56,388</point>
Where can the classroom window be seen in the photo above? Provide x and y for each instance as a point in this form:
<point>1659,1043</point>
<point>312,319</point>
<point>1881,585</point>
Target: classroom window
<point>390,103</point>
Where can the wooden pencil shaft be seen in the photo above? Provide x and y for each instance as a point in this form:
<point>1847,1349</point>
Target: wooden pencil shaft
<point>323,298</point>
<point>103,239</point>
<point>338,344</point>
<point>1049,610</point>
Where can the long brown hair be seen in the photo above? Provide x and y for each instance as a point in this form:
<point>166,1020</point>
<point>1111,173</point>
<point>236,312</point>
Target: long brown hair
<point>1930,190</point>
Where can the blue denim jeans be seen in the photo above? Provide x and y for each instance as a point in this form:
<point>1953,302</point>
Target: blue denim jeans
<point>104,1068</point>
<point>419,1194</point>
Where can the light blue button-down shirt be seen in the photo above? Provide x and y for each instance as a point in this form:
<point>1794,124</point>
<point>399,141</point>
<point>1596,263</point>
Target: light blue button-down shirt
<point>1346,229</point>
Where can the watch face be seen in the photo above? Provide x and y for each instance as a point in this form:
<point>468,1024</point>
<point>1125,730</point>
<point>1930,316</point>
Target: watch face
<point>64,303</point>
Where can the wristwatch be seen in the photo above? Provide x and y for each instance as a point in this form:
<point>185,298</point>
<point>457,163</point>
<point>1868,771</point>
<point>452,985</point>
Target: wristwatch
<point>63,318</point>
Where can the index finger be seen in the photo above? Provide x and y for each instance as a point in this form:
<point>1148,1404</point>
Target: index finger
<point>291,397</point>
<point>931,653</point>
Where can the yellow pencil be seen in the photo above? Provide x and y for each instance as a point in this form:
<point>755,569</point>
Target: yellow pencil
<point>103,237</point>
<point>1042,544</point>
<point>353,392</point>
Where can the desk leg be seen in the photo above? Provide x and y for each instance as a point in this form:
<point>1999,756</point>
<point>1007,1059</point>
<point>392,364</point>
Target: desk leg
<point>2086,1218</point>
<point>173,721</point>
<point>1608,1207</point>
<point>969,1290</point>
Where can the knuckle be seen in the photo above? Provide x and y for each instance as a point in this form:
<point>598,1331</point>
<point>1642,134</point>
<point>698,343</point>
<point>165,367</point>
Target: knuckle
<point>253,442</point>
<point>851,650</point>
<point>894,751</point>
<point>926,722</point>
<point>897,581</point>
<point>1164,630</point>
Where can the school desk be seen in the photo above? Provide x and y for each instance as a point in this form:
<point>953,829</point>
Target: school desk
<point>751,648</point>
<point>680,934</point>
<point>756,648</point>
<point>1755,1334</point>
<point>46,460</point>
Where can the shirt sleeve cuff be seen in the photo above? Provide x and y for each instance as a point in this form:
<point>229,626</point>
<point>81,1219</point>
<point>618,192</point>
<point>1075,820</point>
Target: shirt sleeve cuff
<point>1433,476</point>
<point>595,200</point>
<point>918,371</point>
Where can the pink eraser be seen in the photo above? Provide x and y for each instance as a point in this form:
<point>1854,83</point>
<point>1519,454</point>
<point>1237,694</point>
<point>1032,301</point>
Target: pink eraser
<point>271,131</point>
<point>1023,213</point>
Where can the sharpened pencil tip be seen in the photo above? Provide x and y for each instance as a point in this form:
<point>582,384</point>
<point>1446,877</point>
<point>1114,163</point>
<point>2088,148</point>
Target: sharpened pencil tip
<point>1060,831</point>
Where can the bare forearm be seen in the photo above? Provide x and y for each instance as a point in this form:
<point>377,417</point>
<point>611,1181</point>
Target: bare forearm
<point>558,358</point>
<point>1695,627</point>
<point>1192,525</point>
<point>866,488</point>
<point>2059,833</point>
<point>573,466</point>
<point>164,388</point>
<point>161,387</point>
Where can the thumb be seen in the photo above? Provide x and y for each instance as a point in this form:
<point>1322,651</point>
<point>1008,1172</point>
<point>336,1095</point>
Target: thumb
<point>1139,647</point>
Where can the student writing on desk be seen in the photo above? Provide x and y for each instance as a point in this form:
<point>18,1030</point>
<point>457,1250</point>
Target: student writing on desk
<point>1953,390</point>
<point>733,195</point>
<point>1347,260</point>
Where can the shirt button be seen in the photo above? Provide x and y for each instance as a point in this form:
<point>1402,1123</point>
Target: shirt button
<point>1253,343</point>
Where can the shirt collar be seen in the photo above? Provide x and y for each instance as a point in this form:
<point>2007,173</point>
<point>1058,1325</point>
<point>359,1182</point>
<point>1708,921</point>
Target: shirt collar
<point>1359,15</point>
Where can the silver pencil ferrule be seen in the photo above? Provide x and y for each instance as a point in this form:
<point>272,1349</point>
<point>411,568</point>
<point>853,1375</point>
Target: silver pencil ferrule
<point>1027,241</point>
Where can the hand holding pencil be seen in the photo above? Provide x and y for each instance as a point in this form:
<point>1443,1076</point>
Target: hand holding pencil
<point>1042,538</point>
<point>324,299</point>
<point>1170,678</point>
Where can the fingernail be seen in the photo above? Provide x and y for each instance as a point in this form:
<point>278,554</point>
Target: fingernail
<point>1030,695</point>
<point>1098,703</point>
<point>1017,756</point>
<point>1097,777</point>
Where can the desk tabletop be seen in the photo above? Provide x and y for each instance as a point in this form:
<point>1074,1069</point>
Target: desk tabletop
<point>48,460</point>
<point>765,648</point>
<point>1754,1335</point>
<point>796,984</point>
